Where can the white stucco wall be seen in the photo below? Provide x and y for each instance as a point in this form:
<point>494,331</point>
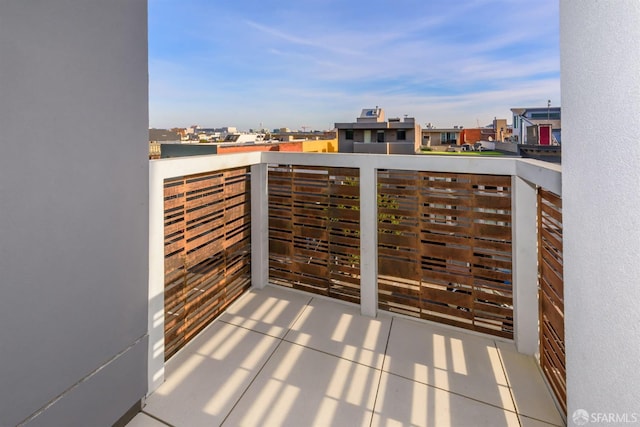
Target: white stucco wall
<point>600,63</point>
<point>73,210</point>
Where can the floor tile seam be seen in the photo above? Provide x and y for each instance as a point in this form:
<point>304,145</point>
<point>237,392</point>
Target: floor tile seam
<point>445,328</point>
<point>280,341</point>
<point>333,355</point>
<point>384,358</point>
<point>318,296</point>
<point>423,382</point>
<point>253,330</point>
<point>386,347</point>
<point>160,420</point>
<point>456,393</point>
<point>186,349</point>
<point>251,382</point>
<point>550,392</point>
<point>294,321</point>
<point>506,377</point>
<point>504,370</point>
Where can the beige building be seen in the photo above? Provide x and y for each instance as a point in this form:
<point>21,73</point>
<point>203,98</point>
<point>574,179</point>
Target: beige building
<point>458,135</point>
<point>372,134</point>
<point>441,136</point>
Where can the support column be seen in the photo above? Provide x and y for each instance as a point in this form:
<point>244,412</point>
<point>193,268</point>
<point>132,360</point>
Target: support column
<point>259,226</point>
<point>601,205</point>
<point>525,265</point>
<point>368,242</point>
<point>155,368</point>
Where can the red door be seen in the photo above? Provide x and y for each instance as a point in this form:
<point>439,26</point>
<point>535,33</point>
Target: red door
<point>545,134</point>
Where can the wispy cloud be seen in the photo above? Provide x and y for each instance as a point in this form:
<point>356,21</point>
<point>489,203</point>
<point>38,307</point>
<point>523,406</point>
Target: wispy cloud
<point>302,41</point>
<point>320,62</point>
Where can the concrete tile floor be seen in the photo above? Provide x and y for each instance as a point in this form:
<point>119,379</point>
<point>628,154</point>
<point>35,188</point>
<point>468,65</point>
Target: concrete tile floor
<point>282,358</point>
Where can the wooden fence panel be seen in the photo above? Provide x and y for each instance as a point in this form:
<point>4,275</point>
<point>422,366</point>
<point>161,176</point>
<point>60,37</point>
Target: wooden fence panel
<point>314,235</point>
<point>551,293</point>
<point>207,249</point>
<point>444,248</point>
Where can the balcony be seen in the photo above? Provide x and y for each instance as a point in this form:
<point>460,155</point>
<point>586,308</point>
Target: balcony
<point>355,289</point>
<point>282,357</point>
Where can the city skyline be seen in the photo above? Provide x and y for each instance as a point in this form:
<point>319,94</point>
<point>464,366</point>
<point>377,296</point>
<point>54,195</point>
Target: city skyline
<point>314,63</point>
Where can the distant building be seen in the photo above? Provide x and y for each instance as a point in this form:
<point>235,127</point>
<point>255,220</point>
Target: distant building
<point>370,133</point>
<point>458,135</point>
<point>285,134</point>
<point>498,130</point>
<point>244,138</point>
<point>432,135</point>
<point>163,135</point>
<point>537,126</point>
<point>501,130</point>
<point>167,150</point>
<point>181,131</point>
<point>228,129</point>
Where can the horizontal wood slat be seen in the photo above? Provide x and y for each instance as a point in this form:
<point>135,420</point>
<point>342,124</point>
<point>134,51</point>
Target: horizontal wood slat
<point>450,235</point>
<point>551,293</point>
<point>207,250</point>
<point>314,233</point>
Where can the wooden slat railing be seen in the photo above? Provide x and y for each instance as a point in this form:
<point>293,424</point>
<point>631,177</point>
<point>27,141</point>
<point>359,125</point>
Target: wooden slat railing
<point>444,248</point>
<point>551,293</point>
<point>314,234</point>
<point>207,249</point>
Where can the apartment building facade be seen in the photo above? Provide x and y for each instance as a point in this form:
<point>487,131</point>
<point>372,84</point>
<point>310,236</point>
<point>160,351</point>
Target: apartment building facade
<point>371,133</point>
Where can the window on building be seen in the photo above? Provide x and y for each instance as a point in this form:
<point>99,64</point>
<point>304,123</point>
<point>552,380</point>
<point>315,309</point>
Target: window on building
<point>449,137</point>
<point>551,115</point>
<point>380,136</point>
<point>402,135</point>
<point>348,134</point>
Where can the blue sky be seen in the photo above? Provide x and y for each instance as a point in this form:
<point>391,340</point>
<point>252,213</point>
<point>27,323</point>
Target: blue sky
<point>316,62</point>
